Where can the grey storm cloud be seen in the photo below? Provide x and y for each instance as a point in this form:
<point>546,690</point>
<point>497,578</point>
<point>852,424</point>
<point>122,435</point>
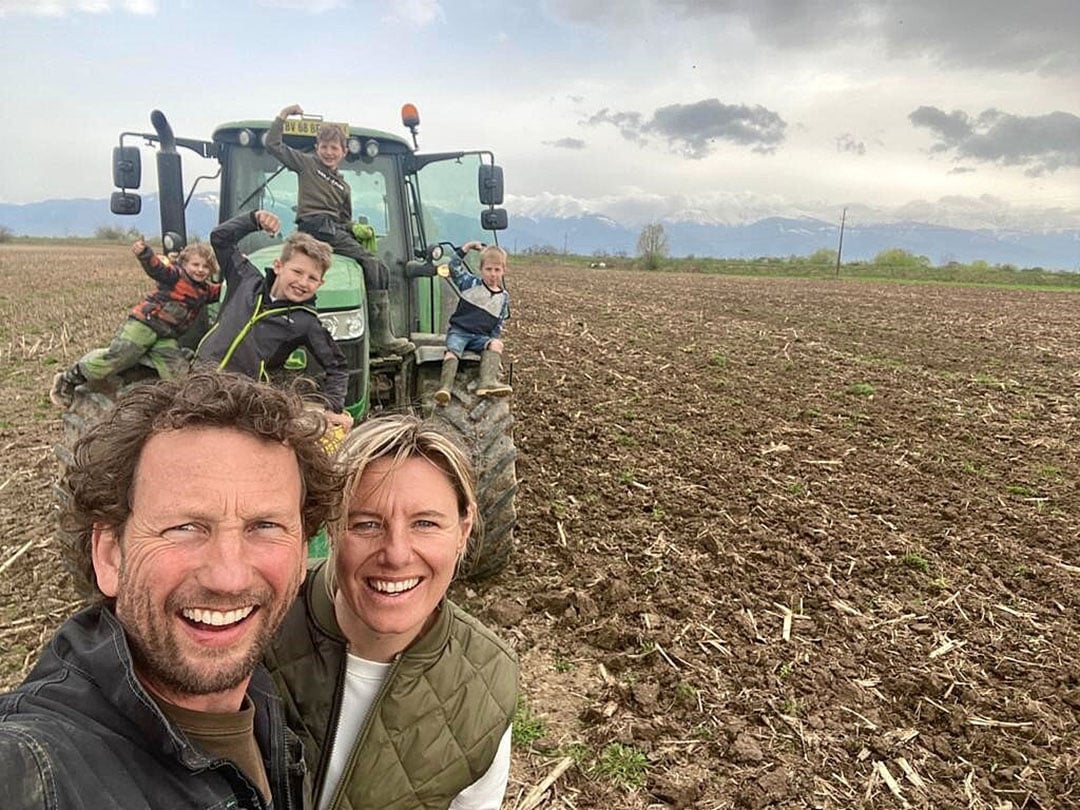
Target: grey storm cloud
<point>692,130</point>
<point>629,124</point>
<point>1040,143</point>
<point>1036,35</point>
<point>566,143</point>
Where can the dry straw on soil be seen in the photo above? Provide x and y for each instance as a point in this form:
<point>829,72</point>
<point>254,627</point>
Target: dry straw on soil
<point>783,543</point>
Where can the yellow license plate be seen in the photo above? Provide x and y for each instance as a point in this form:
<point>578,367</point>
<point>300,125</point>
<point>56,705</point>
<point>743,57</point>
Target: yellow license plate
<point>309,127</point>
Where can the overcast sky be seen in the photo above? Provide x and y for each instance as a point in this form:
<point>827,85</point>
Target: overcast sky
<point>960,112</point>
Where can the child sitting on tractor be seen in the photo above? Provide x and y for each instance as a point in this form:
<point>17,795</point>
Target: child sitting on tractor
<point>263,320</point>
<point>324,210</point>
<point>483,306</point>
<point>152,327</point>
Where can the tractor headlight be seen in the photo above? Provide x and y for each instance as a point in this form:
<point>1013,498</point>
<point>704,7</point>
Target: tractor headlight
<point>347,325</point>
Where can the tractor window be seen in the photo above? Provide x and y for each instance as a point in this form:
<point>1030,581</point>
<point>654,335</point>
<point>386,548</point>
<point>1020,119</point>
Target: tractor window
<point>256,180</point>
<point>451,205</point>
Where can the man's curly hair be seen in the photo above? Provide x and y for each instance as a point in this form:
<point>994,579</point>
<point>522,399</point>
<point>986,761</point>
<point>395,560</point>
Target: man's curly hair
<point>96,488</point>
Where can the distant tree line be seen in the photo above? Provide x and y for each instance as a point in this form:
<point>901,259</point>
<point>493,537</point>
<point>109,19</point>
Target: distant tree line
<point>653,251</point>
<point>103,233</point>
<point>110,233</point>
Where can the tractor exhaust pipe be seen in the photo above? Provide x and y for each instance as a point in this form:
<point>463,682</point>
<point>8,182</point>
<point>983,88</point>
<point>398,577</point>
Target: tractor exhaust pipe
<point>170,179</point>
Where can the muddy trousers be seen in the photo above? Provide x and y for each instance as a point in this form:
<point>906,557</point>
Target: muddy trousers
<point>133,340</point>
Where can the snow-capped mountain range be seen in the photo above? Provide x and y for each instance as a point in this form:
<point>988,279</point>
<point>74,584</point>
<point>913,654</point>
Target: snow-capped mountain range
<point>554,224</point>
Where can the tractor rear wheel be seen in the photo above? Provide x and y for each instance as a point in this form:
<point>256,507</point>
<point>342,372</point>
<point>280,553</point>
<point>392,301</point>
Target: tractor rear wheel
<point>88,404</point>
<point>484,426</point>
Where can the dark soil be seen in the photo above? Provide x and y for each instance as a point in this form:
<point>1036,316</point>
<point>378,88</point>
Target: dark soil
<point>782,543</point>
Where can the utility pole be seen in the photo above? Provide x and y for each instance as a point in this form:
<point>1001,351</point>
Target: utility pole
<point>840,247</point>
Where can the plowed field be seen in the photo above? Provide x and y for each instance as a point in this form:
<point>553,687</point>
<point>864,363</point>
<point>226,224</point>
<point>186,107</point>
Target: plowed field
<point>782,543</point>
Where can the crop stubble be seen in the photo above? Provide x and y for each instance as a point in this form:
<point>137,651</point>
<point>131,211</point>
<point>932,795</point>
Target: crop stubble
<point>800,543</point>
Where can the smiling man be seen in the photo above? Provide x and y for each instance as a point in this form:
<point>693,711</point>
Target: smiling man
<point>188,508</point>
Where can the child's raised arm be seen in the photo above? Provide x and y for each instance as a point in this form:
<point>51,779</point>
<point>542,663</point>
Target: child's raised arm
<point>292,158</point>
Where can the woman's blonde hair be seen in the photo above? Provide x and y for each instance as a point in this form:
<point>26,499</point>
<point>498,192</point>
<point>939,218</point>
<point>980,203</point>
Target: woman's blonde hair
<point>398,437</point>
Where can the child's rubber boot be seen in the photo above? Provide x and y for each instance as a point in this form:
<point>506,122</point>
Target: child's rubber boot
<point>446,382</point>
<point>488,384</point>
<point>62,393</point>
<point>383,339</point>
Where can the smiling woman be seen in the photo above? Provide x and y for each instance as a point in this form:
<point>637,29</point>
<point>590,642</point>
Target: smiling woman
<point>421,694</point>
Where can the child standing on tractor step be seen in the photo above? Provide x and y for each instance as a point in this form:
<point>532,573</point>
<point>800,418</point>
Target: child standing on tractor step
<point>483,306</point>
<point>263,320</point>
<point>153,325</point>
<point>324,210</point>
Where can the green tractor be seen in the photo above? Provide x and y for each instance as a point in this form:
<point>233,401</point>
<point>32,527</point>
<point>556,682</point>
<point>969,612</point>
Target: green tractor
<point>415,203</point>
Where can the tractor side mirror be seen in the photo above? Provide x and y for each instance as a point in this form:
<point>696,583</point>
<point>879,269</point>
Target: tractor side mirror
<point>125,204</point>
<point>126,167</point>
<point>491,184</point>
<point>493,219</point>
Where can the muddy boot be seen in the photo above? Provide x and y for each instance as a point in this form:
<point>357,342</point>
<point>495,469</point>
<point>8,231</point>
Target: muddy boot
<point>446,382</point>
<point>63,386</point>
<point>488,385</point>
<point>383,339</point>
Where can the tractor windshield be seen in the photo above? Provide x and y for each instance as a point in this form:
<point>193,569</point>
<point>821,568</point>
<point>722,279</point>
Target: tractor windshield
<point>255,179</point>
<point>450,209</point>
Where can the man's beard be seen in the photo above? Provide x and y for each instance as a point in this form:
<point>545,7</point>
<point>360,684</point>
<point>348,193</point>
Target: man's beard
<point>160,657</point>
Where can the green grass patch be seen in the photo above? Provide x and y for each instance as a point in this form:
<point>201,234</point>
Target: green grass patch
<point>915,561</point>
<point>580,753</point>
<point>527,728</point>
<point>941,583</point>
<point>971,468</point>
<point>562,665</point>
<point>622,765</point>
<point>1020,490</point>
<point>718,360</point>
